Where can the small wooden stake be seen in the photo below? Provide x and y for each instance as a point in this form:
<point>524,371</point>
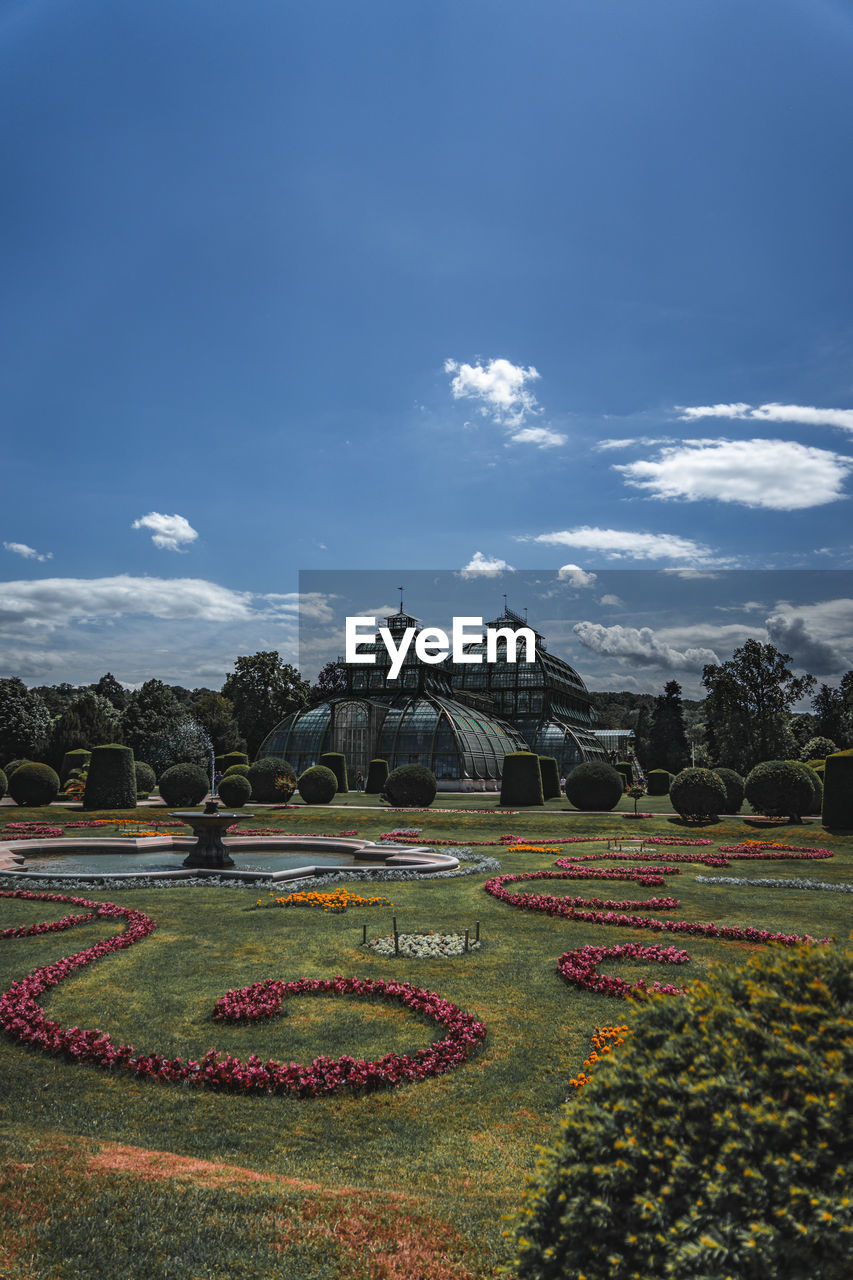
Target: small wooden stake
<point>364,934</point>
<point>396,937</point>
<point>467,931</point>
<point>477,932</point>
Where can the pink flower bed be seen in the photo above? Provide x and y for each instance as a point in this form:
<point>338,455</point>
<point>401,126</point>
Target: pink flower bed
<point>28,831</point>
<point>22,1018</point>
<point>580,969</point>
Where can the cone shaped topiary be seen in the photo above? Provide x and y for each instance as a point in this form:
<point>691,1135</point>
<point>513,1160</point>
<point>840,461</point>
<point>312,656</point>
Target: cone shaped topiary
<point>550,772</point>
<point>76,759</point>
<point>658,782</point>
<point>521,781</point>
<point>377,775</point>
<point>838,791</point>
<point>111,780</point>
<point>337,762</point>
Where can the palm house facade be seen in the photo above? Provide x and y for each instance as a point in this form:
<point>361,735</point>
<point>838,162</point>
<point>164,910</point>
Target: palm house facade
<point>457,719</point>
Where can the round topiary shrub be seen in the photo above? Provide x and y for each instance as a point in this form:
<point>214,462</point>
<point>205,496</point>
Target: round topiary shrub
<point>111,778</point>
<point>10,768</point>
<point>817,749</point>
<point>711,1143</point>
<point>71,761</point>
<point>337,762</point>
<point>235,790</point>
<point>733,785</point>
<point>272,779</point>
<point>4,784</point>
<point>224,762</point>
<point>837,810</point>
<point>34,785</point>
<point>318,785</point>
<point>780,788</point>
<point>412,786</point>
<point>521,779</point>
<point>658,782</point>
<point>550,771</point>
<point>697,795</point>
<point>594,785</point>
<point>184,784</point>
<point>377,776</point>
<point>146,779</point>
<point>242,769</point>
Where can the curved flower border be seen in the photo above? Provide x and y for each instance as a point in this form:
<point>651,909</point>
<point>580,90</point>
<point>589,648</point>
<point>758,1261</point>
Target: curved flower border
<point>580,969</point>
<point>23,1019</point>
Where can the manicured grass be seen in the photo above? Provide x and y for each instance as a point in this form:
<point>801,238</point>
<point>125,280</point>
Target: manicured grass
<point>407,1184</point>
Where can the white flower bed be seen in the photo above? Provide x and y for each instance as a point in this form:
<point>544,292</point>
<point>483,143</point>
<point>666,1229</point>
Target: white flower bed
<point>795,882</point>
<point>423,946</point>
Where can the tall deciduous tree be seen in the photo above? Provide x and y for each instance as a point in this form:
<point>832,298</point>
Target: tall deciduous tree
<point>108,687</point>
<point>668,747</point>
<point>263,690</point>
<point>24,721</point>
<point>833,709</point>
<point>152,711</point>
<point>332,680</point>
<point>90,721</point>
<point>749,705</point>
<point>216,715</point>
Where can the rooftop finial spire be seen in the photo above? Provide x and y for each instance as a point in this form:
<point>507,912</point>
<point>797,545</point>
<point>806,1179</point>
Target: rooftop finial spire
<point>400,589</point>
<point>505,604</point>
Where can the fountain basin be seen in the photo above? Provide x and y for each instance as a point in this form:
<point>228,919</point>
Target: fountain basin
<point>208,828</point>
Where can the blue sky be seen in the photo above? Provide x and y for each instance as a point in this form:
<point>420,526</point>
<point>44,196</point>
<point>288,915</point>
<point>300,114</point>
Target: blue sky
<point>465,284</point>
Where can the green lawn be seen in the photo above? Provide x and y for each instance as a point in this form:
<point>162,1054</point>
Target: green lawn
<point>410,1184</point>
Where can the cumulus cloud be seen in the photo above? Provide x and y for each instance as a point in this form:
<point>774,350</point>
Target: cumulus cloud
<point>632,442</point>
<point>641,645</point>
<point>53,602</point>
<point>170,533</point>
<point>543,436</point>
<point>480,566</point>
<point>575,576</point>
<point>621,544</point>
<point>792,636</point>
<point>772,412</point>
<point>775,474</point>
<point>28,553</point>
<point>500,387</point>
<point>610,599</point>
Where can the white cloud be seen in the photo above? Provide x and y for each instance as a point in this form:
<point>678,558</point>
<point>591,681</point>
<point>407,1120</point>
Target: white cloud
<point>53,602</point>
<point>575,576</point>
<point>480,566</point>
<point>776,474</point>
<point>28,553</point>
<point>543,436</point>
<point>619,544</point>
<point>500,386</point>
<point>808,652</point>
<point>772,412</point>
<point>632,442</point>
<point>640,646</point>
<point>610,599</point>
<point>170,533</point>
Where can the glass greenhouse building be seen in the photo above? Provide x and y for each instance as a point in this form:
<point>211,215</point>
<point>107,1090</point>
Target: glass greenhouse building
<point>457,719</point>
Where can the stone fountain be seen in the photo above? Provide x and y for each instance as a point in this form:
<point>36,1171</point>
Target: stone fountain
<point>209,826</point>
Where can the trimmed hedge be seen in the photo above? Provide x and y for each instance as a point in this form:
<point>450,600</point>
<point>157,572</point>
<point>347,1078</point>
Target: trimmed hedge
<point>4,784</point>
<point>594,785</point>
<point>272,779</point>
<point>733,784</point>
<point>780,788</point>
<point>658,781</point>
<point>242,769</point>
<point>712,1143</point>
<point>697,795</point>
<point>72,760</point>
<point>184,784</point>
<point>816,782</point>
<point>337,762</point>
<point>550,771</point>
<point>377,776</point>
<point>34,785</point>
<point>627,770</point>
<point>146,779</point>
<point>224,762</point>
<point>521,781</point>
<point>235,790</point>
<point>111,779</point>
<point>318,785</point>
<point>412,786</point>
<point>838,791</point>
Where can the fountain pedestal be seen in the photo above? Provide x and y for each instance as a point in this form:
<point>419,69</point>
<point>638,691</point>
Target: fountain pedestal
<point>209,828</point>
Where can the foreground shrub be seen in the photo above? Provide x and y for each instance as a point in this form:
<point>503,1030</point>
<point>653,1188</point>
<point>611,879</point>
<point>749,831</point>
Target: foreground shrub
<point>377,776</point>
<point>594,785</point>
<point>34,784</point>
<point>733,785</point>
<point>658,782</point>
<point>272,779</point>
<point>780,788</point>
<point>317,785</point>
<point>224,762</point>
<point>337,762</point>
<point>713,1142</point>
<point>110,778</point>
<point>235,790</point>
<point>412,786</point>
<point>146,779</point>
<point>242,769</point>
<point>4,784</point>
<point>697,795</point>
<point>521,783</point>
<point>817,749</point>
<point>550,772</point>
<point>184,784</point>
<point>838,791</point>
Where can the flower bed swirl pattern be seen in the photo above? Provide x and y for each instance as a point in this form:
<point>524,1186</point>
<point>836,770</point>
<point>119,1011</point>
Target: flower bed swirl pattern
<point>23,1019</point>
